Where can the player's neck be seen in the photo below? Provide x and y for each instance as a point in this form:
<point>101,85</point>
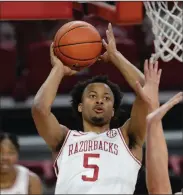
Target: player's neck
<point>98,129</point>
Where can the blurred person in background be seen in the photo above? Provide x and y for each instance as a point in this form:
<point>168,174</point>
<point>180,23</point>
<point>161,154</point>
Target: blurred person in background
<point>7,34</point>
<point>98,160</point>
<point>157,175</point>
<point>15,179</point>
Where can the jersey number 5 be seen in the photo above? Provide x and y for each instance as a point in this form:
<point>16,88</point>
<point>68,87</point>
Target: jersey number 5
<point>90,166</point>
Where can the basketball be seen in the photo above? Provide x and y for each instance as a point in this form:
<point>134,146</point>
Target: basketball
<point>77,44</point>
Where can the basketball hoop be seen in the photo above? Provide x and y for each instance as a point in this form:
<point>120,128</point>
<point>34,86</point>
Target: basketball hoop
<point>167,27</point>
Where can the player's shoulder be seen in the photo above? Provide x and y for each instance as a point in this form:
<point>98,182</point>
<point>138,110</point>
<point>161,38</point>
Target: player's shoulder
<point>35,184</point>
<point>33,177</point>
<point>64,128</point>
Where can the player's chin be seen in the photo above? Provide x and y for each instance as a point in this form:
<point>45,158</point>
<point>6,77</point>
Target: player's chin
<point>98,120</point>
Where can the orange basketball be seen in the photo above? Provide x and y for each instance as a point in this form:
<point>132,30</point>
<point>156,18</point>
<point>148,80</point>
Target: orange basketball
<point>77,44</point>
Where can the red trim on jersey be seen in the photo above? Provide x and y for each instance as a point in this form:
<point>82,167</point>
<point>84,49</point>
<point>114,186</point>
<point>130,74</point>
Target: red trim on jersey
<point>123,140</point>
<point>82,133</point>
<point>55,165</point>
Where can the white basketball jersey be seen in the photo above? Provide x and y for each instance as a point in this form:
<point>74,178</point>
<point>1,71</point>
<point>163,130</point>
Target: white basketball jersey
<point>90,163</point>
<point>21,184</point>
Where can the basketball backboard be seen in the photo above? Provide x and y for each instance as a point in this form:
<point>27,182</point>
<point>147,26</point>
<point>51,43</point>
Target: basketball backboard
<point>26,10</point>
<point>119,13</point>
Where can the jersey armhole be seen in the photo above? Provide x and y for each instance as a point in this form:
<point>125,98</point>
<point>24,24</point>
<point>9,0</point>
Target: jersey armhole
<point>127,148</point>
<point>55,166</point>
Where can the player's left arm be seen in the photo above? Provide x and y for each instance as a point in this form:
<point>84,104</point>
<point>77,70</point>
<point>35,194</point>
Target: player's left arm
<point>130,72</point>
<point>136,126</point>
<point>35,185</point>
<point>147,100</point>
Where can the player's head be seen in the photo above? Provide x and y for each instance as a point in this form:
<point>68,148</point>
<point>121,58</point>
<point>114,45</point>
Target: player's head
<point>96,100</point>
<point>9,148</point>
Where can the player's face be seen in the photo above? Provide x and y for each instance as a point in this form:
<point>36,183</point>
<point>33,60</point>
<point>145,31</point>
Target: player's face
<point>8,156</point>
<point>97,104</point>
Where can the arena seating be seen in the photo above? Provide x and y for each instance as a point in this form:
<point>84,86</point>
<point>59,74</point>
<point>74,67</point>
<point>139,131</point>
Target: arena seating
<point>38,66</point>
<point>8,69</point>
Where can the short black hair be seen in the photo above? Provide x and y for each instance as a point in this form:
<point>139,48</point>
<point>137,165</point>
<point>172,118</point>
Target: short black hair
<point>12,137</point>
<point>77,92</point>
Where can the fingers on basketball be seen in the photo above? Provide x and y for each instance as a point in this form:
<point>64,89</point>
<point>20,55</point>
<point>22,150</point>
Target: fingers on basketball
<point>68,71</point>
<point>52,54</point>
<point>51,50</point>
<point>104,44</point>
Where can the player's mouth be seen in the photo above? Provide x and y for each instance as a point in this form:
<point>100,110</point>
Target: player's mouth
<point>4,166</point>
<point>98,109</point>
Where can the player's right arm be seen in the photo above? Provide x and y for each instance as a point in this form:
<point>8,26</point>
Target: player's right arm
<point>157,177</point>
<point>46,123</point>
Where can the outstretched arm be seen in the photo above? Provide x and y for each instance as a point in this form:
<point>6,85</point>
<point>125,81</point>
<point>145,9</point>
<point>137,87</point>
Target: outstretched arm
<point>130,72</point>
<point>136,126</point>
<point>157,177</point>
<point>46,123</point>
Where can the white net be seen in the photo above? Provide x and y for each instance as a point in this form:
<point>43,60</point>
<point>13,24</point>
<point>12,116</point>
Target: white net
<point>167,26</point>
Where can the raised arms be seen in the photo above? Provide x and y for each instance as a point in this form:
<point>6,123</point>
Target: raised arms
<point>47,125</point>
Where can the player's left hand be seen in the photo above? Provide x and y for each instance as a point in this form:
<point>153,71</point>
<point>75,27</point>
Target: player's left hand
<point>159,113</point>
<point>150,91</point>
<point>110,46</point>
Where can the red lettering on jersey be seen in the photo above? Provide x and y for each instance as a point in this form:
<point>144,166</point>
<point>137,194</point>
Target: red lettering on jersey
<point>85,146</point>
<point>90,146</point>
<point>76,148</point>
<point>110,147</point>
<point>105,146</point>
<point>95,145</point>
<point>115,149</point>
<point>100,146</point>
<point>70,149</point>
<point>81,149</point>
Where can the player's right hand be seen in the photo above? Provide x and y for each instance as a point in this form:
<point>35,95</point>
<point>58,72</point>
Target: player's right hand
<point>56,62</point>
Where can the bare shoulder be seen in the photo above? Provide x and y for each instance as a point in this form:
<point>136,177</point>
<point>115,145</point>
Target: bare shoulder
<point>64,128</point>
<point>33,176</point>
<point>35,184</point>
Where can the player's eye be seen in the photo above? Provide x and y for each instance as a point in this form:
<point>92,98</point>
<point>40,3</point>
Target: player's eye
<point>92,96</point>
<point>107,98</point>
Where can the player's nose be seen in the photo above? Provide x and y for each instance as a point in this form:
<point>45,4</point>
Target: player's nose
<point>99,102</point>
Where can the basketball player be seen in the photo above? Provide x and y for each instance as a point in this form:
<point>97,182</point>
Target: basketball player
<point>98,160</point>
<point>15,179</point>
<point>157,177</point>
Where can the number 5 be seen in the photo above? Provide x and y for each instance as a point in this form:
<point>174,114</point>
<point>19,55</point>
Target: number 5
<point>91,166</point>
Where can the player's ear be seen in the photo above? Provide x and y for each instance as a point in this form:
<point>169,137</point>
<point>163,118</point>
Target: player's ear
<point>113,112</point>
<point>80,107</point>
